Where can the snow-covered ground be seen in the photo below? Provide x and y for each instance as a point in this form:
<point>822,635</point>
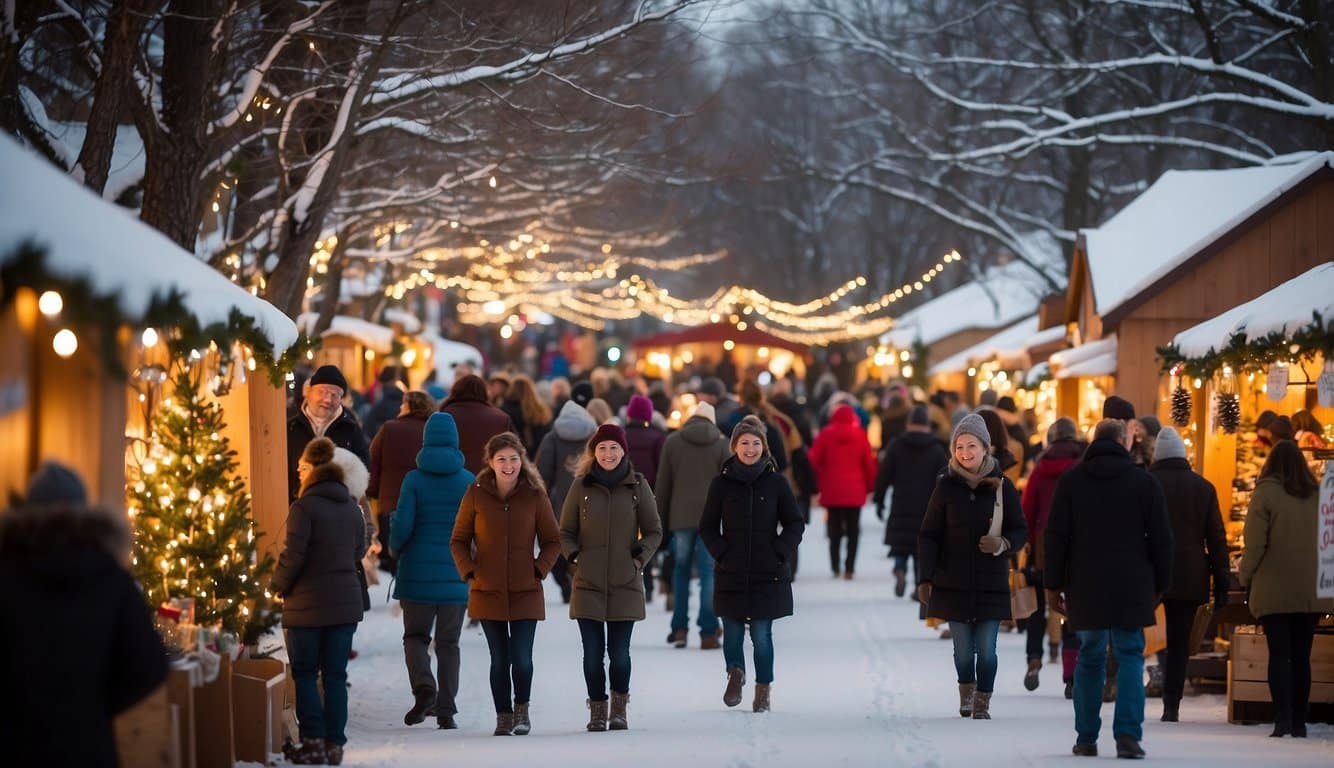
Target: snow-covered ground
<point>859,682</point>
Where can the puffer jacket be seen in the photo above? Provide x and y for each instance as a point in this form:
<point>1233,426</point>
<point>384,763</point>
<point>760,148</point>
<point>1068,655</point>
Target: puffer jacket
<point>752,528</point>
<point>608,534</point>
<point>844,461</point>
<point>967,583</point>
<point>694,452</point>
<point>423,522</point>
<point>558,456</point>
<point>326,539</point>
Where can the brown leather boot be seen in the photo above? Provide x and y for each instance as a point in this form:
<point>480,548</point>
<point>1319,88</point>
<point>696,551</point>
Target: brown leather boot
<point>504,724</point>
<point>617,720</point>
<point>981,705</point>
<point>522,725</point>
<point>597,715</point>
<point>711,642</point>
<point>966,699</point>
<point>761,698</point>
<point>736,679</point>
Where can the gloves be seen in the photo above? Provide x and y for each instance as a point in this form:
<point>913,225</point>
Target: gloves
<point>924,593</point>
<point>880,512</point>
<point>993,545</point>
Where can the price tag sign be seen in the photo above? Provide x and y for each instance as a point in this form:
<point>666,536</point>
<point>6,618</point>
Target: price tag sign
<point>1276,386</point>
<point>1324,387</point>
<point>1325,535</point>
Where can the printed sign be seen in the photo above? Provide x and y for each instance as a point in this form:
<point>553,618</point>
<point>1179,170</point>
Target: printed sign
<point>1277,384</point>
<point>1324,387</point>
<point>1324,586</point>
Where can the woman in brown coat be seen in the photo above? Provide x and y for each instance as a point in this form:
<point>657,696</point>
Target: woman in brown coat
<point>500,517</point>
<point>1278,568</point>
<point>609,528</point>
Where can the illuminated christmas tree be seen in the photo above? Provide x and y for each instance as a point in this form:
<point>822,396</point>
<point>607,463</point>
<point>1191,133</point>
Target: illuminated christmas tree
<point>194,535</point>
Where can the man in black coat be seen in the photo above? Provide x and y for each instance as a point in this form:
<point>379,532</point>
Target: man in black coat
<point>1199,552</point>
<point>1109,561</point>
<point>910,466</point>
<point>322,415</point>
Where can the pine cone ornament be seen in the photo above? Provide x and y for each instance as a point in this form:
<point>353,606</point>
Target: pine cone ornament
<point>1180,406</point>
<point>1229,413</point>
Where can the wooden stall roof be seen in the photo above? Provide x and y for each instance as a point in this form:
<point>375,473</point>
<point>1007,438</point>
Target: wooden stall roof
<point>1283,309</point>
<point>364,332</point>
<point>716,333</point>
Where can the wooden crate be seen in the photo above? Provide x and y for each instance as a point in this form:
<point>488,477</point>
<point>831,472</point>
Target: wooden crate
<point>214,740</point>
<point>257,707</point>
<point>1248,676</point>
<point>146,734</point>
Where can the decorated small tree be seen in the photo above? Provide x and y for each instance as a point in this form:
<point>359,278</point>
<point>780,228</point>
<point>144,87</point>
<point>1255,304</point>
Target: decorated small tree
<point>194,534</point>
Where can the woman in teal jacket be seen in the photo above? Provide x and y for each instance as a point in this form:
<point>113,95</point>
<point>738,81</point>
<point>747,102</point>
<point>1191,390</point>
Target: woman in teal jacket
<point>427,584</point>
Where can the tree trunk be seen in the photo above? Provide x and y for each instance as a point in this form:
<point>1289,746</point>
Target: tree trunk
<point>124,25</point>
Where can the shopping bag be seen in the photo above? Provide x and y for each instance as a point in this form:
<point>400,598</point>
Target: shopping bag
<point>1155,637</point>
<point>1023,596</point>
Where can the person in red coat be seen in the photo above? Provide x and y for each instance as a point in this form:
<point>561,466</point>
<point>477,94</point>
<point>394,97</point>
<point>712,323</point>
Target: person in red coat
<point>845,467</point>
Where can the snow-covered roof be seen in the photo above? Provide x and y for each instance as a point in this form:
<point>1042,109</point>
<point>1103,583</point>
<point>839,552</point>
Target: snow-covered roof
<point>86,237</point>
<point>1036,374</point>
<point>1001,297</point>
<point>367,334</point>
<point>1095,358</point>
<point>1283,309</point>
<point>1007,346</point>
<point>1043,338</point>
<point>411,324</point>
<point>1182,212</point>
<point>447,353</point>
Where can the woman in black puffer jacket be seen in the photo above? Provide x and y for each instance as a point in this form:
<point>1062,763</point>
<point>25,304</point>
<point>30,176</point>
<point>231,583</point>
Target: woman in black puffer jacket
<point>964,573</point>
<point>752,527</point>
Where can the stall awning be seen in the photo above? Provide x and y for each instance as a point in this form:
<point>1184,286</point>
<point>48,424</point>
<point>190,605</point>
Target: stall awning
<point>367,334</point>
<point>1006,346</point>
<point>85,237</point>
<point>717,333</point>
<point>1281,310</point>
<point>1096,358</point>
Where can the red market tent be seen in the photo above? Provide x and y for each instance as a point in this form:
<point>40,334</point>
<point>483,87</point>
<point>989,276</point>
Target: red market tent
<point>717,333</point>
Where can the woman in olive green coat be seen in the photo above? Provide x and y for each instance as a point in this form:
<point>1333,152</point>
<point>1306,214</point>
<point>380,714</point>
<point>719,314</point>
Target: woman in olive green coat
<point>1279,568</point>
<point>609,528</point>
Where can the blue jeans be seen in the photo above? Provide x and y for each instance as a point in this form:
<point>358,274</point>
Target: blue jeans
<point>688,550</point>
<point>611,640</point>
<point>1091,674</point>
<point>975,652</point>
<point>511,645</point>
<point>321,652</point>
<point>762,641</point>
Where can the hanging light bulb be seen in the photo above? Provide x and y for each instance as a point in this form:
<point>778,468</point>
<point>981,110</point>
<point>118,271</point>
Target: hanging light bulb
<point>65,343</point>
<point>149,338</point>
<point>50,303</point>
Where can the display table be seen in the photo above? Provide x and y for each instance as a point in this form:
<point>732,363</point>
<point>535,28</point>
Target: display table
<point>1248,698</point>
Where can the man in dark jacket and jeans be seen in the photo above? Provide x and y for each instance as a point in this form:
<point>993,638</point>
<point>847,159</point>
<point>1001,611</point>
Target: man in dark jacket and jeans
<point>910,466</point>
<point>1109,561</point>
<point>1199,551</point>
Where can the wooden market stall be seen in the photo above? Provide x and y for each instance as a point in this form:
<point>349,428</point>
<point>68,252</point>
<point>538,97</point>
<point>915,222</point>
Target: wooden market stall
<point>1193,245</point>
<point>1084,376</point>
<point>997,363</point>
<point>749,347</point>
<point>358,347</point>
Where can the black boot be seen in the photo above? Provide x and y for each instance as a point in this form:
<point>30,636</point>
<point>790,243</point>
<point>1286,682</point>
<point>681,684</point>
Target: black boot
<point>1128,749</point>
<point>423,705</point>
<point>1171,710</point>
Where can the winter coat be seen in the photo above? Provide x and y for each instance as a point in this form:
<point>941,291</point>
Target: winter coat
<point>689,455</point>
<point>345,432</point>
<point>752,529</point>
<point>530,435</point>
<point>1199,541</point>
<point>477,423</point>
<point>910,466</point>
<point>423,523</point>
<point>386,408</point>
<point>608,534</point>
<point>844,461</point>
<point>393,456</point>
<point>77,644</point>
<point>1109,541</point>
<point>558,456</point>
<point>505,579</point>
<point>1279,563</point>
<point>967,583</point>
<point>1041,488</point>
<point>326,539</point>
<point>646,444</point>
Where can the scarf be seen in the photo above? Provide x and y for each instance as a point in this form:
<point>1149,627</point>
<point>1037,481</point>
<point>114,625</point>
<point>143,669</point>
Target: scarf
<point>611,478</point>
<point>318,426</point>
<point>983,475</point>
<point>749,473</point>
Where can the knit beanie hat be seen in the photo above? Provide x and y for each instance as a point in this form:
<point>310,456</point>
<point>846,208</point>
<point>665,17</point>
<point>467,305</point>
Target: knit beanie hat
<point>329,374</point>
<point>581,393</point>
<point>1117,408</point>
<point>972,424</point>
<point>919,416</point>
<point>639,409</point>
<point>705,410</point>
<point>750,425</point>
<point>1169,445</point>
<point>55,483</point>
<point>609,432</point>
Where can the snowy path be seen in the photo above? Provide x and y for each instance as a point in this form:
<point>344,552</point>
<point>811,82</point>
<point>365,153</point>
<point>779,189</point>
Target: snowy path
<point>859,682</point>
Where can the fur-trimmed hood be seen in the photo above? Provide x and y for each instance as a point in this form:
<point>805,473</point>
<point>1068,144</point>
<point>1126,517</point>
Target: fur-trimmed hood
<point>325,473</point>
<point>355,475</point>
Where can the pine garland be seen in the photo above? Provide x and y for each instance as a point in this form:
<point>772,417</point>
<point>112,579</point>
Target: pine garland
<point>1181,406</point>
<point>1243,353</point>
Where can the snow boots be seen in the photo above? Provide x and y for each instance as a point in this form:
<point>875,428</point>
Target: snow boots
<point>597,715</point>
<point>617,721</point>
<point>900,582</point>
<point>423,706</point>
<point>522,725</point>
<point>504,724</point>
<point>1127,748</point>
<point>981,705</point>
<point>711,642</point>
<point>1171,710</point>
<point>1031,676</point>
<point>309,752</point>
<point>333,753</point>
<point>966,699</point>
<point>1154,688</point>
<point>736,678</point>
<point>678,637</point>
<point>761,698</point>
